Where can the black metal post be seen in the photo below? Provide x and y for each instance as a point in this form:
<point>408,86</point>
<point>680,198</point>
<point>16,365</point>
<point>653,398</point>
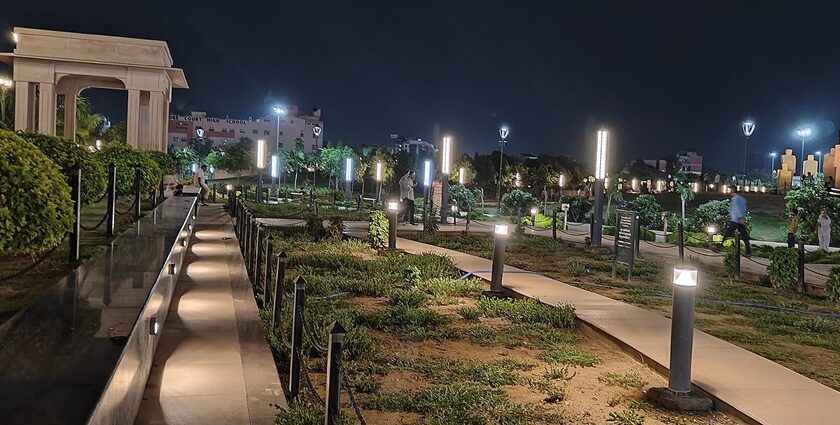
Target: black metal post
<point>681,241</point>
<point>469,212</point>
<point>138,179</point>
<point>252,249</point>
<point>800,283</point>
<point>297,338</point>
<point>258,193</point>
<point>76,194</point>
<point>392,229</point>
<point>682,339</point>
<point>111,221</point>
<point>598,212</point>
<point>444,197</point>
<point>214,193</point>
<point>333,408</point>
<point>269,254</point>
<point>499,244</point>
<point>737,254</point>
<point>277,299</point>
<point>554,224</point>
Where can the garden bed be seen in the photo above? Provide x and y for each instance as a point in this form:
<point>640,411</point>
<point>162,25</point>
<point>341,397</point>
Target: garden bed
<point>424,347</point>
<point>808,344</point>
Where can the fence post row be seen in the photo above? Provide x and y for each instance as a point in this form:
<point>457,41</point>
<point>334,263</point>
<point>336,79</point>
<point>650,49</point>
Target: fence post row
<point>138,180</point>
<point>76,194</point>
<point>277,299</point>
<point>297,338</point>
<point>333,408</point>
<point>110,222</point>
<point>252,251</point>
<point>800,283</point>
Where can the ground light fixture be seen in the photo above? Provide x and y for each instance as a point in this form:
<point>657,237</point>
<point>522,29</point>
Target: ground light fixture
<point>393,210</point>
<point>500,236</point>
<point>534,211</point>
<point>711,230</point>
<point>600,174</point>
<point>229,187</point>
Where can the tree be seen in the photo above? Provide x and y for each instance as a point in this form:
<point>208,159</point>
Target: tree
<point>683,187</point>
<point>809,200</point>
<point>465,162</point>
<point>116,133</point>
<point>296,158</point>
<point>360,168</point>
<point>185,157</point>
<point>382,156</point>
<point>331,161</point>
<point>88,124</point>
<point>236,158</point>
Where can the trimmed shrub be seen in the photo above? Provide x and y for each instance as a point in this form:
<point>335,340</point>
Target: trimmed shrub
<point>517,202</point>
<point>783,269</point>
<point>378,230</point>
<point>462,196</point>
<point>649,211</point>
<point>68,155</point>
<point>832,287</point>
<point>127,159</point>
<point>579,207</point>
<point>163,160</point>
<point>35,206</point>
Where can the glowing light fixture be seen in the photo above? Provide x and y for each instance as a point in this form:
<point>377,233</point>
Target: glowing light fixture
<point>748,127</point>
<point>393,206</point>
<point>533,211</point>
<point>427,173</point>
<point>711,230</point>
<point>501,229</point>
<point>446,155</point>
<point>261,152</point>
<point>503,132</point>
<point>803,132</point>
<point>348,169</point>
<point>279,110</point>
<point>275,166</point>
<point>685,277</point>
<point>601,154</point>
<point>461,176</point>
<point>229,187</point>
<point>316,130</point>
<point>379,171</point>
<point>194,167</point>
<point>562,180</point>
<point>15,37</point>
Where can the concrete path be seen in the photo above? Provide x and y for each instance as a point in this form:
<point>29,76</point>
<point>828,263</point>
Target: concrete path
<point>213,365</point>
<point>759,390</point>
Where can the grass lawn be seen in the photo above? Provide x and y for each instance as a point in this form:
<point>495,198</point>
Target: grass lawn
<point>425,347</point>
<point>807,344</point>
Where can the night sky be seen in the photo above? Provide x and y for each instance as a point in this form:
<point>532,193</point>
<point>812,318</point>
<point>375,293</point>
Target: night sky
<point>662,76</point>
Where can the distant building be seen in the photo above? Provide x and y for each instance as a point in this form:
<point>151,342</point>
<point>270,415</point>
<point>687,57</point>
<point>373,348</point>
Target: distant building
<point>690,162</point>
<point>417,149</point>
<point>183,130</point>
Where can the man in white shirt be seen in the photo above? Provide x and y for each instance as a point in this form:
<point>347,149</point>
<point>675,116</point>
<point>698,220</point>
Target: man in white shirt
<point>407,184</point>
<point>200,181</point>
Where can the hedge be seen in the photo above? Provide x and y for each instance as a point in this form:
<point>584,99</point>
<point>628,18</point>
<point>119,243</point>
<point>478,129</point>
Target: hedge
<point>783,270</point>
<point>127,159</point>
<point>164,161</point>
<point>35,206</point>
<point>68,155</point>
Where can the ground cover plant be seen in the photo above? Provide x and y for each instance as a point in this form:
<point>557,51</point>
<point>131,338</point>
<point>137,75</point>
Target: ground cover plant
<point>424,347</point>
<point>806,343</point>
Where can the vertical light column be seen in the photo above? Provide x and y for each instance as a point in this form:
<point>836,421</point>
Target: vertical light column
<point>70,116</point>
<point>445,169</point>
<point>600,175</point>
<point>46,109</point>
<point>23,99</point>
<point>132,118</point>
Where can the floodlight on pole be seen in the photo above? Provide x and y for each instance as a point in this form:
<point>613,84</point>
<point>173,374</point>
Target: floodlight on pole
<point>748,127</point>
<point>503,134</point>
<point>803,133</point>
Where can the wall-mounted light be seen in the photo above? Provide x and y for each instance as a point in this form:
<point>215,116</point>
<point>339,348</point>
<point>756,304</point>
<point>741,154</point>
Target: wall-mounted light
<point>154,326</point>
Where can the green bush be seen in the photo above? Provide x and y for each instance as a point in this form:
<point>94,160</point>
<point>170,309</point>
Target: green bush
<point>127,159</point>
<point>783,270</point>
<point>378,230</point>
<point>431,224</point>
<point>68,155</point>
<point>517,202</point>
<point>811,199</point>
<point>163,160</point>
<point>730,263</point>
<point>35,206</point>
<point>648,210</point>
<point>579,207</point>
<point>832,286</point>
<point>712,212</point>
<point>462,196</point>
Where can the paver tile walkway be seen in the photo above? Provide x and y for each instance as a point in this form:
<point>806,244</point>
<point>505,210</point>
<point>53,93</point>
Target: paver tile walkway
<point>213,365</point>
<point>759,389</point>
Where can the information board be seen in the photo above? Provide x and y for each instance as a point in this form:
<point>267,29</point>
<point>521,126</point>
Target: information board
<point>626,236</point>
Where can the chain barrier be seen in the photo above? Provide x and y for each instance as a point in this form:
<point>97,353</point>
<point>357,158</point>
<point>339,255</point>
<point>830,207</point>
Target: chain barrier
<point>130,208</point>
<point>312,340</point>
<point>32,266</point>
<point>816,272</point>
<point>305,369</point>
<point>663,246</point>
<point>104,217</point>
<point>100,198</point>
<point>702,253</point>
<point>351,396</point>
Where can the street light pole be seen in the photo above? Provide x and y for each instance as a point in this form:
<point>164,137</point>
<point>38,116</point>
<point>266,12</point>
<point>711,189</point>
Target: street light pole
<point>819,161</point>
<point>803,133</point>
<point>503,133</point>
<point>772,162</point>
<point>279,111</point>
<point>445,165</point>
<point>748,127</point>
<point>600,175</point>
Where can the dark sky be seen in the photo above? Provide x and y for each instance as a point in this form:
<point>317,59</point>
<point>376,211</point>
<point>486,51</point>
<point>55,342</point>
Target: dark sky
<point>662,75</point>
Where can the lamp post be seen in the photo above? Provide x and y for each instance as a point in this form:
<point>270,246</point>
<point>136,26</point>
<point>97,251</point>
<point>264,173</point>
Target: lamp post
<point>534,212</point>
<point>803,133</point>
<point>393,209</point>
<point>316,132</point>
<point>748,128</point>
<point>819,161</point>
<point>379,180</point>
<point>772,163</point>
<point>5,84</point>
<point>275,172</point>
<point>445,169</point>
<point>560,183</point>
<point>279,111</point>
<point>503,134</point>
<point>261,160</point>
<point>600,175</point>
<point>427,182</point>
<point>348,178</point>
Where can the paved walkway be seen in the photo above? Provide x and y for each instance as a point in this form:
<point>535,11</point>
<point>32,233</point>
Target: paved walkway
<point>759,389</point>
<point>213,365</point>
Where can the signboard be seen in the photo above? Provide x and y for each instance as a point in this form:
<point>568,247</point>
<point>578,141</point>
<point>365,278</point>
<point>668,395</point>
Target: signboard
<point>626,239</point>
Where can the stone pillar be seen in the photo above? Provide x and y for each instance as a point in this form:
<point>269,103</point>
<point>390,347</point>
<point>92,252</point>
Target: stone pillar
<point>789,159</point>
<point>157,121</point>
<point>46,109</point>
<point>165,146</point>
<point>132,118</point>
<point>784,179</point>
<point>23,110</point>
<point>809,166</point>
<point>70,116</point>
<point>143,139</point>
<point>828,165</point>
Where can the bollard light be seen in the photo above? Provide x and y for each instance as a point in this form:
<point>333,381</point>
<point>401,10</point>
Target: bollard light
<point>393,208</point>
<point>194,167</point>
<point>229,187</point>
<point>500,232</point>
<point>534,211</point>
<point>454,209</point>
<point>682,330</point>
<point>711,230</point>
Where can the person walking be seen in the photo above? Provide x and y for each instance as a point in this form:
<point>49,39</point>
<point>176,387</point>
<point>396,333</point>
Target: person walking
<point>738,220</point>
<point>793,225</point>
<point>824,231</point>
<point>201,181</point>
<point>407,184</point>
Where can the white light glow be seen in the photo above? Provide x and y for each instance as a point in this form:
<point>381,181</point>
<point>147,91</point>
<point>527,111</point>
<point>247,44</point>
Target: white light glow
<point>379,171</point>
<point>462,176</point>
<point>229,187</point>
<point>601,154</point>
<point>564,207</point>
<point>98,144</point>
<point>562,180</point>
<point>454,208</point>
<point>194,167</point>
<point>518,181</point>
<point>696,187</point>
<point>501,229</point>
<point>261,153</point>
<point>685,277</point>
<point>279,110</point>
<point>275,166</point>
<point>348,169</point>
<point>503,132</point>
<point>711,230</point>
<point>803,132</point>
<point>393,206</point>
<point>748,127</point>
<point>773,154</point>
<point>634,184</point>
<point>316,130</point>
<point>427,173</point>
<point>15,37</point>
<point>446,155</point>
<point>533,211</point>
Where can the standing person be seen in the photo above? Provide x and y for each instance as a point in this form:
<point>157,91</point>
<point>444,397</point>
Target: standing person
<point>824,231</point>
<point>201,181</point>
<point>793,225</point>
<point>407,183</point>
<point>738,220</point>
